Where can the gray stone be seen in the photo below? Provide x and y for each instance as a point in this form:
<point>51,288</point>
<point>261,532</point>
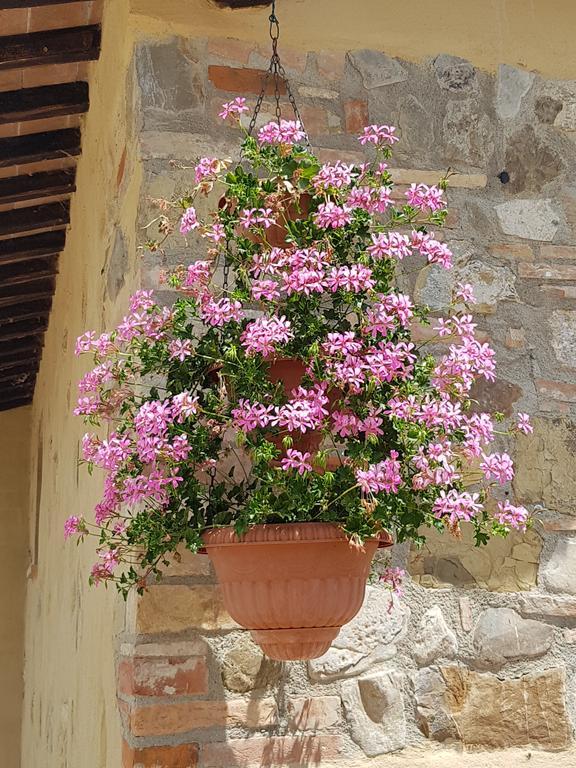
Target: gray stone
<point>558,574</point>
<point>434,638</point>
<point>468,133</point>
<point>501,635</point>
<point>376,68</point>
<point>171,80</point>
<point>529,219</point>
<point>245,668</point>
<point>374,709</point>
<point>454,73</point>
<point>563,325</point>
<point>433,719</point>
<point>491,284</point>
<point>512,85</point>
<point>566,118</point>
<point>547,109</point>
<point>530,162</point>
<point>371,637</point>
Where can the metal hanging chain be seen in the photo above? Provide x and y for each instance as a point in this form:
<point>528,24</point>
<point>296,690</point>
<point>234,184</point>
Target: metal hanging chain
<point>277,72</point>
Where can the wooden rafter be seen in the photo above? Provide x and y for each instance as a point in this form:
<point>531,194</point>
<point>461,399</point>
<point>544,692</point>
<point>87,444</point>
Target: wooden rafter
<point>56,46</point>
<point>45,101</point>
<point>34,147</point>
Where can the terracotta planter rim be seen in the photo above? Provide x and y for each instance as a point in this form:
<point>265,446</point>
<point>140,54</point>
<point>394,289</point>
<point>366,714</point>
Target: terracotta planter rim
<point>285,533</point>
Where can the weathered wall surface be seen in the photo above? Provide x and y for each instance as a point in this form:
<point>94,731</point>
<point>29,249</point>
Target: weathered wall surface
<point>70,718</point>
<point>14,478</point>
<point>480,653</point>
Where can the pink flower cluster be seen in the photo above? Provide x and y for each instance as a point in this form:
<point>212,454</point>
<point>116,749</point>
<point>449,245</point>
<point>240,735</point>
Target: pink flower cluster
<point>384,476</point>
<point>283,132</point>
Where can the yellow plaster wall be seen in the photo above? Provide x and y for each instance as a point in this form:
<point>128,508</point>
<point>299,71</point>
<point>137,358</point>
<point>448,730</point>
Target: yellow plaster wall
<point>70,717</point>
<point>14,453</point>
<point>536,34</point>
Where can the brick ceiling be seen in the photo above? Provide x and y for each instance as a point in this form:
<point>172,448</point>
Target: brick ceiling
<point>45,47</point>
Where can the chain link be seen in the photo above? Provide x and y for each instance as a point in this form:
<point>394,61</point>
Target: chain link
<point>278,74</point>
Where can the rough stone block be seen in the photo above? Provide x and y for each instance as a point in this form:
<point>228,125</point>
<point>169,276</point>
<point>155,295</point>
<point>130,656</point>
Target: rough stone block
<point>454,73</point>
<point>241,80</point>
<point>511,87</point>
<point>171,77</point>
<point>529,219</point>
<point>172,718</point>
<point>181,756</point>
<point>374,709</point>
<point>331,65</point>
<point>544,464</point>
<point>558,573</point>
<point>501,635</point>
<point>176,608</point>
<point>515,338</point>
<point>563,326</point>
<point>434,638</point>
<point>491,285</point>
<point>274,752</point>
<point>483,711</point>
<point>468,133</point>
<point>377,69</point>
<point>369,638</point>
<point>313,713</point>
<point>186,563</point>
<point>445,560</point>
<point>245,668</point>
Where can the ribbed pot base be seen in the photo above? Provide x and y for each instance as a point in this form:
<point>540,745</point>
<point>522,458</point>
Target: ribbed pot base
<point>292,585</point>
<point>295,644</point>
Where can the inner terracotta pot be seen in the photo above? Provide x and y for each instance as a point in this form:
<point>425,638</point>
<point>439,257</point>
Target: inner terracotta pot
<point>293,585</point>
<point>276,235</point>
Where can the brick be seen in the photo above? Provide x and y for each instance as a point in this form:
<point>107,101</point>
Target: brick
<point>14,21</point>
<point>276,752</point>
<point>230,49</point>
<point>172,676</point>
<point>313,714</point>
<point>466,619</point>
<point>356,115</point>
<point>245,80</point>
<point>331,64</point>
<point>548,606</point>
<point>186,563</point>
<point>172,718</point>
<point>46,74</point>
<point>293,61</point>
<point>182,756</point>
<point>419,176</point>
<point>557,252</point>
<point>515,338</point>
<point>176,608</point>
<point>546,272</point>
<point>559,291</point>
<point>512,252</point>
<point>182,648</point>
<point>557,390</point>
<point>59,16</point>
<point>560,523</point>
<point>315,120</point>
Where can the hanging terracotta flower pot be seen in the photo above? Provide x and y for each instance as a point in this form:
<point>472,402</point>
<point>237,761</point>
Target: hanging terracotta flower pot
<point>293,585</point>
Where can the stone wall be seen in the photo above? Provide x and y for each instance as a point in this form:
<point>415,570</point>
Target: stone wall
<point>480,652</point>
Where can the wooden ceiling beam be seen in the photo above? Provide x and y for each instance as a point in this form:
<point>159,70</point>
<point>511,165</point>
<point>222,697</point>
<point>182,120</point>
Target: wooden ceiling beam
<point>32,347</point>
<point>45,101</point>
<point>35,147</point>
<point>17,189</point>
<point>7,4</point>
<point>23,328</point>
<point>24,248</point>
<point>52,215</point>
<point>56,46</point>
<point>24,312</point>
<point>13,272</point>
